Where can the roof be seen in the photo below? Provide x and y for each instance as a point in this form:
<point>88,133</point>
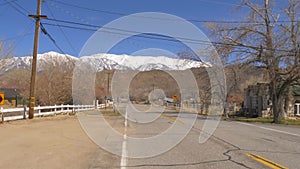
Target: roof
<point>10,93</point>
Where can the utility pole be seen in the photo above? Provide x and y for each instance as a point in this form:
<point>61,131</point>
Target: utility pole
<point>154,79</point>
<point>37,18</point>
<point>107,89</point>
<point>108,83</point>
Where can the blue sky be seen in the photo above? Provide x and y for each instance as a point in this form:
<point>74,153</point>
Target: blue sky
<point>16,28</point>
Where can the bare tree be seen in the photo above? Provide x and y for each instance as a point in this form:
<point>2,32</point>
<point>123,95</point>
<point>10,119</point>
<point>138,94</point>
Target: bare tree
<point>18,79</point>
<point>264,41</point>
<point>54,83</point>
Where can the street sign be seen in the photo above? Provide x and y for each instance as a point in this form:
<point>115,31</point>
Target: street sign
<point>1,99</point>
<point>175,97</point>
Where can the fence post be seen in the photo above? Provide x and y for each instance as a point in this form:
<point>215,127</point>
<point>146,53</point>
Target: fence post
<point>62,108</point>
<point>24,113</point>
<point>2,115</point>
<point>39,110</point>
<point>96,104</point>
<point>55,109</point>
<point>68,108</point>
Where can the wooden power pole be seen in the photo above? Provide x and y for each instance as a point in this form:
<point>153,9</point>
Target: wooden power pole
<point>37,18</point>
<point>107,94</point>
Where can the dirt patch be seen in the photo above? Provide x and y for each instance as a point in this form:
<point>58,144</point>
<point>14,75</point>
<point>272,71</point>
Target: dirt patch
<point>49,142</point>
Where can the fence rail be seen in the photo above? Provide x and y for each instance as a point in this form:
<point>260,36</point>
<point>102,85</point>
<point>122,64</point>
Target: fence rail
<point>22,113</point>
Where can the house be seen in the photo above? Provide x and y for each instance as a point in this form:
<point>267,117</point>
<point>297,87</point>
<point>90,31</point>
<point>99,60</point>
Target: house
<point>11,95</point>
<point>257,101</point>
<point>296,100</point>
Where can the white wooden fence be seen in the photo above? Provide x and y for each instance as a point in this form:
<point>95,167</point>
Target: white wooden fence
<point>22,113</point>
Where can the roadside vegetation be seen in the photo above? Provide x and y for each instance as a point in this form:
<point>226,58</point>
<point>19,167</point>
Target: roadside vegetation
<point>264,120</point>
<point>109,111</point>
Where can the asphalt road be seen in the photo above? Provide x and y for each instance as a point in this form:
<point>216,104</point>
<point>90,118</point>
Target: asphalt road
<point>61,142</point>
<point>230,146</point>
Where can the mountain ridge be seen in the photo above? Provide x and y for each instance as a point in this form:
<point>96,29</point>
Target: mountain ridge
<point>104,62</point>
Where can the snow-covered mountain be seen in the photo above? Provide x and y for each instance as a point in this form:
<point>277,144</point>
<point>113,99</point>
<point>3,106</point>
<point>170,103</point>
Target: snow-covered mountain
<point>103,62</point>
<point>46,59</point>
<point>141,63</point>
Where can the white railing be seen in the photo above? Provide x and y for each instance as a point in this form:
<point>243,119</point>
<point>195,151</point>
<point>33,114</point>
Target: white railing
<point>22,113</point>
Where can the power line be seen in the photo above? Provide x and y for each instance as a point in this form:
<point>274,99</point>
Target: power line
<point>139,34</point>
<point>90,9</point>
<point>110,30</point>
<point>51,38</point>
<point>14,2</point>
<point>147,17</point>
<point>63,9</point>
<point>17,9</point>
<point>7,2</point>
<point>220,3</point>
<point>145,36</point>
<point>71,27</point>
<point>152,36</point>
<point>61,30</point>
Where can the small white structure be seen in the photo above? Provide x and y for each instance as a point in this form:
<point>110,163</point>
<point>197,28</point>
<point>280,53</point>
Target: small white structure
<point>168,100</point>
<point>297,109</point>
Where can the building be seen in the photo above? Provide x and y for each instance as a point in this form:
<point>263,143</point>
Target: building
<point>296,100</point>
<point>257,101</point>
<point>11,95</point>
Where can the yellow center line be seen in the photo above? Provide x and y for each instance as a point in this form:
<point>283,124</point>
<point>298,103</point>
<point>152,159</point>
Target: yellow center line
<point>172,119</point>
<point>266,162</point>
